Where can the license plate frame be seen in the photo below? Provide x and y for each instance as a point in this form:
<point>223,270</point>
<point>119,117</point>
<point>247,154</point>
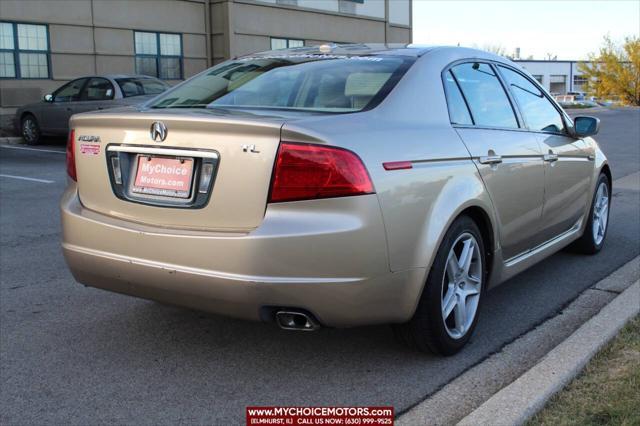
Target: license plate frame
<point>163,176</point>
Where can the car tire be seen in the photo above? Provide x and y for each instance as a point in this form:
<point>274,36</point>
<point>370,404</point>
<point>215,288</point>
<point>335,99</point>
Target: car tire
<point>30,130</point>
<point>595,232</point>
<point>432,329</point>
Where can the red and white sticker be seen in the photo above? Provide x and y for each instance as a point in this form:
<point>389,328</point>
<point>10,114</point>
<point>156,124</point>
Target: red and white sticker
<point>89,149</point>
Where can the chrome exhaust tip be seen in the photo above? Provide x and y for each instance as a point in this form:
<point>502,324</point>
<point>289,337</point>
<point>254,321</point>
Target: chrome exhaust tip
<point>294,320</point>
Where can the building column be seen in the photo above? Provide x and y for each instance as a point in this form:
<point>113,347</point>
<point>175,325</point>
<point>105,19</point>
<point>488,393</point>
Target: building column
<point>230,30</point>
<point>386,21</point>
<point>208,45</point>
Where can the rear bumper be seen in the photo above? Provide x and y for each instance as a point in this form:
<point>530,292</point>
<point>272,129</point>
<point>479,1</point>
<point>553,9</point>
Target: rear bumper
<point>327,257</point>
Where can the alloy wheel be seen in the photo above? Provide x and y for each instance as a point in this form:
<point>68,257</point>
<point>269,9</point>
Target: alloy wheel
<point>29,129</point>
<point>461,286</point>
<point>600,213</point>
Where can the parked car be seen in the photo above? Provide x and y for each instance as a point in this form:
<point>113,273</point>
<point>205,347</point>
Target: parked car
<point>51,115</point>
<point>335,186</point>
<point>577,96</point>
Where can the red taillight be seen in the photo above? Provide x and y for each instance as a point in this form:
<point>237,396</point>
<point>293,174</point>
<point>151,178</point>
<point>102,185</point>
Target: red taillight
<point>304,172</point>
<point>71,155</point>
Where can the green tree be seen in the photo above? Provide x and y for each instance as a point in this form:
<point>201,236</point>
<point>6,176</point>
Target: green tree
<point>614,71</point>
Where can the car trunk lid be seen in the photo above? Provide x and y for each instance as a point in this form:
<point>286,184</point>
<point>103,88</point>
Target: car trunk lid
<point>238,148</point>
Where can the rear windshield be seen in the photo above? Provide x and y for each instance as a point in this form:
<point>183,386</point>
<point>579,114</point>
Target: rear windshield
<point>323,83</point>
<point>138,86</point>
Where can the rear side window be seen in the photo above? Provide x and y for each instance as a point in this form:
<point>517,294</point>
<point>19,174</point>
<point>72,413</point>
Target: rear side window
<point>458,111</point>
<point>139,86</point>
<point>539,114</point>
<point>485,95</point>
<point>98,89</point>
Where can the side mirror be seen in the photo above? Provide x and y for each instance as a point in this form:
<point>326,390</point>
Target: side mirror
<point>586,126</point>
<point>48,98</point>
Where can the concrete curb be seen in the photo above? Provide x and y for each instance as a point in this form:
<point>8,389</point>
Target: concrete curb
<point>516,403</point>
<point>11,140</point>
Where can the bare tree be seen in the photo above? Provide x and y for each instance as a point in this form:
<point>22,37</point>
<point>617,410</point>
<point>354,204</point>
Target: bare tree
<point>498,49</point>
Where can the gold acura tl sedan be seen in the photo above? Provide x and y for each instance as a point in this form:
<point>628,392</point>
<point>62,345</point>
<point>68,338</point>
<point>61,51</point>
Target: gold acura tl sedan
<point>335,186</point>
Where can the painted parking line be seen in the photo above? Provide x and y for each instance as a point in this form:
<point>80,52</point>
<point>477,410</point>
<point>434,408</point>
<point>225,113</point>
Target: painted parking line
<point>33,149</point>
<point>26,178</point>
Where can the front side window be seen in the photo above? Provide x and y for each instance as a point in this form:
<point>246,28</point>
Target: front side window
<point>24,50</point>
<point>98,89</point>
<point>139,86</point>
<point>458,111</point>
<point>70,92</point>
<point>320,83</point>
<point>158,55</point>
<point>538,112</point>
<point>285,43</point>
<point>485,95</point>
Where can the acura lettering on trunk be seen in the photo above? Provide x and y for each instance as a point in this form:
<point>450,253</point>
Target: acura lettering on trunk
<point>335,186</point>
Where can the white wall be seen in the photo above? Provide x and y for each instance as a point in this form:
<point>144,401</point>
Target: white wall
<point>374,8</point>
<point>548,68</point>
<point>329,5</point>
<point>399,12</point>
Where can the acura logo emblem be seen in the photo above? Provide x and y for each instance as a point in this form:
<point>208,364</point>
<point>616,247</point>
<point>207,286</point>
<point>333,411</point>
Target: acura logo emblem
<point>159,131</point>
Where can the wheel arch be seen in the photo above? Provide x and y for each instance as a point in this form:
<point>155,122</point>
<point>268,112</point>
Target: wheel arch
<point>23,114</point>
<point>487,231</point>
<point>479,209</point>
<point>607,171</point>
<point>479,212</point>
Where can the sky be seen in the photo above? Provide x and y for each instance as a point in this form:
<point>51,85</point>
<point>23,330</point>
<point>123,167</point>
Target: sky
<point>568,29</point>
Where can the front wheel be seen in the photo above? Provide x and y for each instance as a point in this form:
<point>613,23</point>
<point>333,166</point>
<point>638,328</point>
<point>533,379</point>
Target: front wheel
<point>595,232</point>
<point>447,312</point>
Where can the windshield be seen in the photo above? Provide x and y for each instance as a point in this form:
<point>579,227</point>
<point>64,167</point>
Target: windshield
<point>138,86</point>
<point>323,83</point>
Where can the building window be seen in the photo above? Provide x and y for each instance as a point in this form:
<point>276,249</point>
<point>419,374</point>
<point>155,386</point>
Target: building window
<point>348,6</point>
<point>538,78</point>
<point>558,84</point>
<point>158,55</point>
<point>578,82</point>
<point>285,43</point>
<point>24,50</point>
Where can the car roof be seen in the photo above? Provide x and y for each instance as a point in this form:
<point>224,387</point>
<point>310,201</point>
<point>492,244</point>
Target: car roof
<point>354,49</point>
<point>368,49</point>
<point>114,76</point>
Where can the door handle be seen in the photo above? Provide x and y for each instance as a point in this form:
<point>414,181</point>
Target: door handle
<point>490,159</point>
<point>550,157</point>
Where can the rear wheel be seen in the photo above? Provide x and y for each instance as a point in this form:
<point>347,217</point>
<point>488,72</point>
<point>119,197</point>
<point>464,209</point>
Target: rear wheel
<point>447,312</point>
<point>30,130</point>
<point>595,232</point>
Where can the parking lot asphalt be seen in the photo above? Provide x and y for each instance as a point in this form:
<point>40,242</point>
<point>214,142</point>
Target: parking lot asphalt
<point>70,354</point>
